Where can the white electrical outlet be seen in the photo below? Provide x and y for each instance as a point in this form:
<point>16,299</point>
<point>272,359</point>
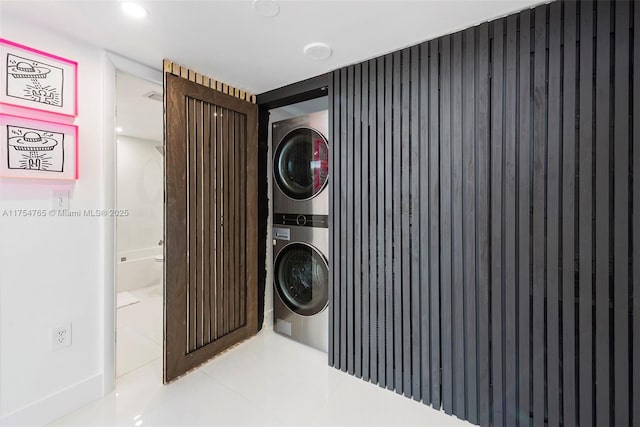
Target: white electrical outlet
<point>60,337</point>
<point>60,200</point>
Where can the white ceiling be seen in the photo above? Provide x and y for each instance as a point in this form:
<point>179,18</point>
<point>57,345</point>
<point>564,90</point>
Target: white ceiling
<point>229,41</point>
<point>137,115</point>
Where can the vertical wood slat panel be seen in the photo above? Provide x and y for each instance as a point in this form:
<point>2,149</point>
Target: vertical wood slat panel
<point>192,310</point>
<point>569,389</point>
<point>601,226</point>
<point>196,228</point>
<point>350,161</point>
<point>333,109</point>
<point>621,169</point>
<point>388,213</point>
<point>415,375</point>
<point>553,215</point>
<point>366,220</point>
<point>434,224</point>
<point>337,195</point>
<point>538,218</point>
<point>524,220</point>
<point>374,321</point>
<point>344,195</point>
<point>469,217</point>
<point>423,175</point>
<point>214,221</point>
<point>220,161</point>
<point>396,269</point>
<point>504,119</point>
<point>337,218</point>
<point>226,205</point>
<point>381,258</point>
<point>586,406</point>
<point>214,261</point>
<point>445,224</point>
<point>238,222</point>
<point>208,257</point>
<point>201,224</point>
<point>482,249</point>
<point>242,279</point>
<point>404,282</point>
<point>509,224</point>
<point>198,147</point>
<point>192,227</point>
<point>231,220</point>
<point>457,260</point>
<point>496,206</point>
<point>357,221</point>
<point>222,198</point>
<point>635,416</point>
<point>242,149</point>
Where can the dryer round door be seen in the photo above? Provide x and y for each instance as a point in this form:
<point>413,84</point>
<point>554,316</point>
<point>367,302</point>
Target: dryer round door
<point>301,276</point>
<point>301,164</point>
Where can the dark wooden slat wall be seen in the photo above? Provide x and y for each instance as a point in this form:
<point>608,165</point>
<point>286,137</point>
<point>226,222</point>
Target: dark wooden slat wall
<point>357,225</point>
<point>621,165</point>
<point>445,225</point>
<point>366,210</point>
<point>432,262</point>
<point>538,164</point>
<point>485,215</point>
<point>212,289</point>
<point>553,185</point>
<point>510,232</point>
<point>495,223</point>
<point>569,223</point>
<point>482,220</point>
<point>635,415</point>
<point>469,205</point>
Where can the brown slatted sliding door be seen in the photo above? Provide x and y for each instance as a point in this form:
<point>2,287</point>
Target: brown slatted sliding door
<point>211,223</point>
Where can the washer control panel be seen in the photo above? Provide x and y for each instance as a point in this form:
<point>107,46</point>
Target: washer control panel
<point>301,220</point>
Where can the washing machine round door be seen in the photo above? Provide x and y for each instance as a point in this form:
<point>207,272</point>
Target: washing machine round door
<point>301,164</point>
<point>301,278</point>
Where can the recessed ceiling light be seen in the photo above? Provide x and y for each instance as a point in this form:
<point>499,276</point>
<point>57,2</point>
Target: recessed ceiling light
<point>268,8</point>
<point>318,51</point>
<point>118,129</point>
<point>134,10</point>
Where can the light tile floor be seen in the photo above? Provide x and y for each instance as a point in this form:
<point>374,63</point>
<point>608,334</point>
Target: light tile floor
<point>267,380</point>
<point>139,330</point>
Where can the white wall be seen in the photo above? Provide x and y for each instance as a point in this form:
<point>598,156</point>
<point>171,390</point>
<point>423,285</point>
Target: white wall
<point>140,191</point>
<point>52,269</point>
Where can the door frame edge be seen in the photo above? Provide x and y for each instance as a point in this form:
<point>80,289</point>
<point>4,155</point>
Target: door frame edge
<point>112,64</point>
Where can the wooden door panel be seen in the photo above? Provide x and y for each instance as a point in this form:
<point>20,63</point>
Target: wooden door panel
<point>211,223</point>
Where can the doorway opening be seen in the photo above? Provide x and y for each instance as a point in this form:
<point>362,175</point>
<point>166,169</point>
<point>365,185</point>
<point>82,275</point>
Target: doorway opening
<point>140,223</point>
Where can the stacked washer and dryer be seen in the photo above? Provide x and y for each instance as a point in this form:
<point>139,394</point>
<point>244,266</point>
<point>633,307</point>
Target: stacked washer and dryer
<point>300,228</point>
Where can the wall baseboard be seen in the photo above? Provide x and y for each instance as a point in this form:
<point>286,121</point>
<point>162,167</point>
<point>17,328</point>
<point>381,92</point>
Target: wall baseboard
<point>56,404</point>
